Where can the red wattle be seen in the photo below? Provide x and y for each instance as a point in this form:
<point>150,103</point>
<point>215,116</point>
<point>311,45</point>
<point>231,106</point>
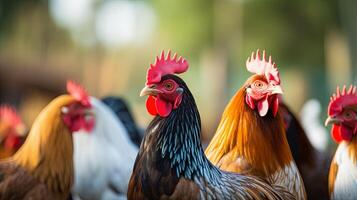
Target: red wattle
<point>346,134</point>
<point>151,106</point>
<point>249,101</point>
<point>163,107</point>
<point>76,125</point>
<point>263,106</point>
<point>336,134</point>
<point>89,125</point>
<point>275,105</point>
<point>12,141</point>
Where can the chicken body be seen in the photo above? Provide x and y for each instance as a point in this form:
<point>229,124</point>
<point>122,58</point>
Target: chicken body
<point>312,164</point>
<point>342,114</point>
<point>122,111</point>
<point>251,137</point>
<point>43,166</point>
<point>343,172</point>
<point>103,158</point>
<point>171,163</point>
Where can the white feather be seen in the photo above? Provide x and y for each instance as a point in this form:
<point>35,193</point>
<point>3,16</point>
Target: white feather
<point>103,157</point>
<point>345,186</point>
<point>289,178</point>
<point>310,120</point>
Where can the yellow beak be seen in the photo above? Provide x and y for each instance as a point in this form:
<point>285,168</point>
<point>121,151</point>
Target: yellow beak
<point>276,90</point>
<point>332,120</point>
<point>150,90</point>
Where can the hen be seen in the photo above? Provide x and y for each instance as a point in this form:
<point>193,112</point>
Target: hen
<point>104,157</point>
<point>12,131</point>
<point>171,163</point>
<point>312,164</point>
<point>342,113</point>
<point>43,166</point>
<point>251,137</point>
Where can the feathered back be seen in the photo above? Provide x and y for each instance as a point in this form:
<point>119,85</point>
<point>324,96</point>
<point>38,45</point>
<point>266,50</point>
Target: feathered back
<point>48,150</point>
<point>244,132</point>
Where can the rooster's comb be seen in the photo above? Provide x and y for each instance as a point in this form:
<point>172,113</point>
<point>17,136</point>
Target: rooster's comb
<point>78,92</point>
<point>164,66</point>
<point>341,99</point>
<point>9,114</point>
<point>263,66</point>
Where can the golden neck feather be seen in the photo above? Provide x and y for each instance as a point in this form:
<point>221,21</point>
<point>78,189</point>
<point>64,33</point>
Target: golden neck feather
<point>48,150</point>
<point>261,141</point>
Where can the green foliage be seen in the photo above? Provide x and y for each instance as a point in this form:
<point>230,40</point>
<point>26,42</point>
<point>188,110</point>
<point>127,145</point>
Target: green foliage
<point>185,25</point>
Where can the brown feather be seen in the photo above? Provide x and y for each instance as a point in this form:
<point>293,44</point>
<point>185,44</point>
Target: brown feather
<point>45,159</point>
<point>332,176</point>
<point>243,133</point>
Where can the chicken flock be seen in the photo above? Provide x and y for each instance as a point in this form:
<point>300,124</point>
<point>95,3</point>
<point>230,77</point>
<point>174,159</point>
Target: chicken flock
<point>81,147</point>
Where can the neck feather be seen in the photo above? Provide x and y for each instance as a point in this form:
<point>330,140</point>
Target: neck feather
<point>179,140</point>
<point>48,151</point>
<point>259,140</point>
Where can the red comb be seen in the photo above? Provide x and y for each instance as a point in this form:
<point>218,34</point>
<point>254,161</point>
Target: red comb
<point>164,66</point>
<point>9,114</point>
<point>78,92</point>
<point>342,99</point>
<point>263,66</point>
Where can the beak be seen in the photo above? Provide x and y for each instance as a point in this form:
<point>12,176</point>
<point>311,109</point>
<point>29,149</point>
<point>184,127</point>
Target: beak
<point>150,90</point>
<point>276,90</point>
<point>332,120</point>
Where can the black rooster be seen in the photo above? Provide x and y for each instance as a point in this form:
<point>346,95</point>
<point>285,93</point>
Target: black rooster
<point>171,163</point>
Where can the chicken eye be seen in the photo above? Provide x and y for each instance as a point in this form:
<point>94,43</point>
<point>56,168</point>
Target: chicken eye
<point>259,84</point>
<point>348,114</point>
<point>169,86</point>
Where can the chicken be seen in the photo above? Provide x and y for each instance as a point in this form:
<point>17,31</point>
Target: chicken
<point>342,114</point>
<point>12,131</point>
<point>104,157</point>
<point>43,167</point>
<point>312,164</point>
<point>251,137</point>
<point>171,163</point>
<point>122,111</point>
<point>310,121</point>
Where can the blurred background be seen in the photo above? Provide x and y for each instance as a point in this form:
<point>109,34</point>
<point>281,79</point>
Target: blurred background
<point>107,45</point>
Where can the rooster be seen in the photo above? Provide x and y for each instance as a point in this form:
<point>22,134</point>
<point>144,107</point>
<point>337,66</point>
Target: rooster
<point>122,111</point>
<point>312,164</point>
<point>171,163</point>
<point>104,157</point>
<point>342,113</point>
<point>43,167</point>
<point>251,137</point>
<point>12,131</point>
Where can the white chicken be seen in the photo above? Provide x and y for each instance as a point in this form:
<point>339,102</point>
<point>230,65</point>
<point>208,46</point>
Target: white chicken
<point>103,158</point>
<point>310,120</point>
